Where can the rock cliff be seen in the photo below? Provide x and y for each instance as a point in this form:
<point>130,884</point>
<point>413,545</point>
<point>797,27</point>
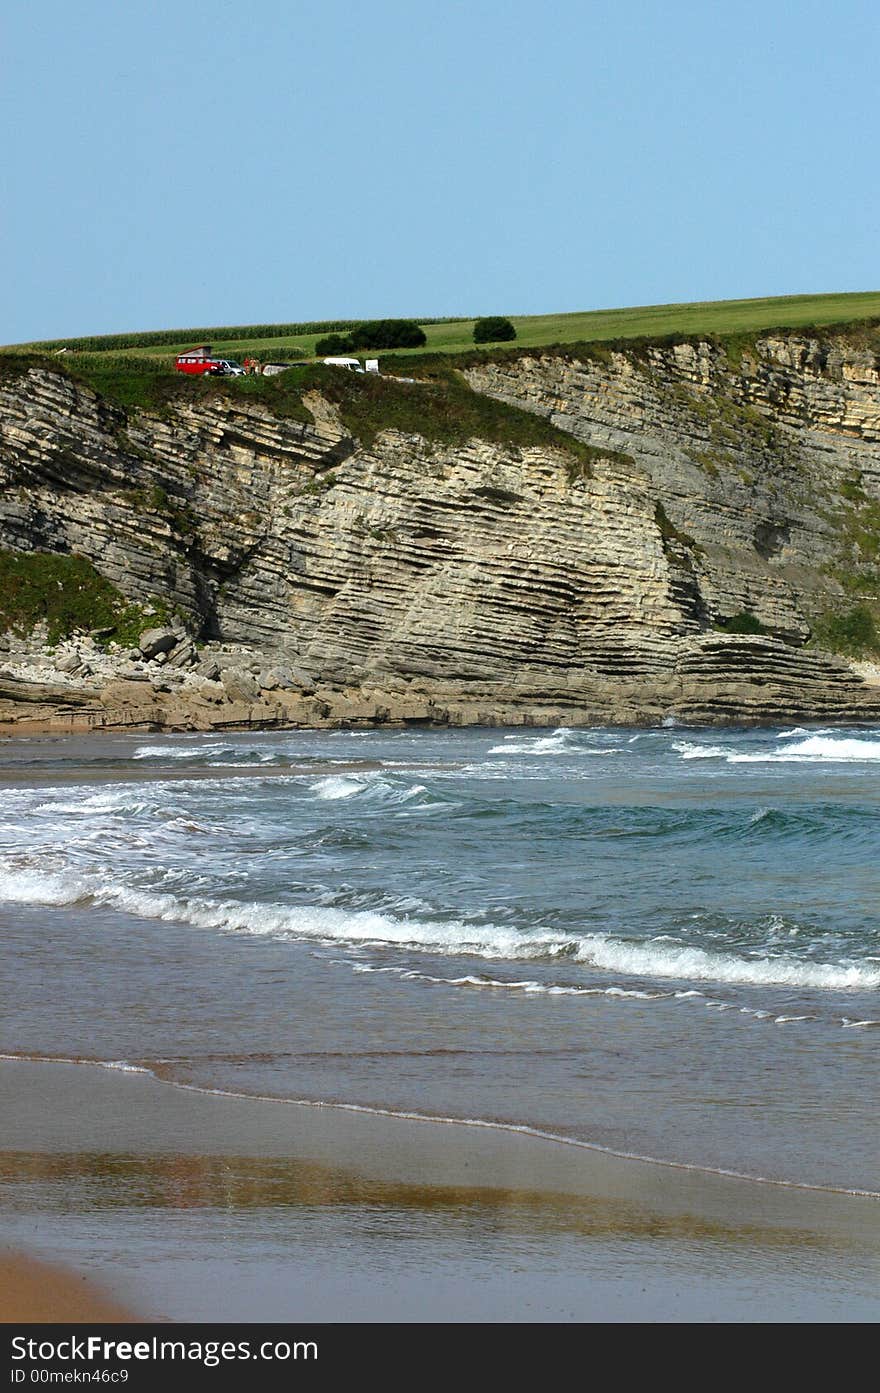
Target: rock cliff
<point>697,562</point>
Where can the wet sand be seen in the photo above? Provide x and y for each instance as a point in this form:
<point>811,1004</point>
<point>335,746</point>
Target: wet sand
<point>37,1292</point>
<point>198,1206</point>
<point>191,1206</point>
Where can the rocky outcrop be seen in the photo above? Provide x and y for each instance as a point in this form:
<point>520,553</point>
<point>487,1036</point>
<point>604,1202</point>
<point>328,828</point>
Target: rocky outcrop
<point>759,465</point>
<point>419,581</point>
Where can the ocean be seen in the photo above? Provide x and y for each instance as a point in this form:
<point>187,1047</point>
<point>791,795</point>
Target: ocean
<point>661,943</point>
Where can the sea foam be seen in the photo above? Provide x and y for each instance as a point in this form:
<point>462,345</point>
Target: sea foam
<point>817,749</point>
<point>453,938</point>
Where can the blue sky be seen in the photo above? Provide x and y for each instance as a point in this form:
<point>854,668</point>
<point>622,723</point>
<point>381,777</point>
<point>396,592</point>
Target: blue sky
<point>205,162</point>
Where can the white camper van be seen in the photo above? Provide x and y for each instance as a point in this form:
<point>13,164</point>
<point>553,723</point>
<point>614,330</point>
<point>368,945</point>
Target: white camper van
<point>352,364</point>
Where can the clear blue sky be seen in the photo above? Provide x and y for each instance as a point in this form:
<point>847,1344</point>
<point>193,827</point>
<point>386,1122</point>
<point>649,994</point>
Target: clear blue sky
<point>207,162</point>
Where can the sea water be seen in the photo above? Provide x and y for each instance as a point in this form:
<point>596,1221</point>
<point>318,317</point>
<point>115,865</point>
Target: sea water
<point>665,942</point>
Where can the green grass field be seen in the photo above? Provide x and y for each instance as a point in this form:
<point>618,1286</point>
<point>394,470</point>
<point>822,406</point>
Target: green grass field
<point>718,317</point>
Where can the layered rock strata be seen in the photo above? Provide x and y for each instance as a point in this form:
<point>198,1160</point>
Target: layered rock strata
<point>412,581</point>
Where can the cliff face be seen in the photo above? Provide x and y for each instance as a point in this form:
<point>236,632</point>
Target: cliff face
<point>766,466</point>
<point>421,581</point>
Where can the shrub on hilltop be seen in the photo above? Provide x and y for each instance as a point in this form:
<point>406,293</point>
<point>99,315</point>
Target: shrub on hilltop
<point>333,344</point>
<point>375,333</point>
<point>495,329</point>
<point>388,333</point>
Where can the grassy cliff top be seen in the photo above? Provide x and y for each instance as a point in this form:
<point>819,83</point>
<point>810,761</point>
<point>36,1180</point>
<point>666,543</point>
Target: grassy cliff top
<point>440,406</point>
<point>712,317</point>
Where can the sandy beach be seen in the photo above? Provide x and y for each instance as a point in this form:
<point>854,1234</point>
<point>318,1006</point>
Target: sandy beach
<point>193,1206</point>
<point>383,1027</point>
<point>39,1292</point>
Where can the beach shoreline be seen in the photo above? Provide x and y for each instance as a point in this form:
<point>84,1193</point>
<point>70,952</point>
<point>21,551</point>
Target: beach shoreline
<point>311,1039</point>
<point>84,1145</point>
<point>38,1293</point>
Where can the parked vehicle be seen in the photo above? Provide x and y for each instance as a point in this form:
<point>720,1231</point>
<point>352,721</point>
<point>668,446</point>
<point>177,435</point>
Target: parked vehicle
<point>198,362</point>
<point>351,364</point>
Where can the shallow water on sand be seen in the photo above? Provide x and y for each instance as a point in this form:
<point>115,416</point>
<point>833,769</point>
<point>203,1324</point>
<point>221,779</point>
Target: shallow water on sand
<point>661,942</point>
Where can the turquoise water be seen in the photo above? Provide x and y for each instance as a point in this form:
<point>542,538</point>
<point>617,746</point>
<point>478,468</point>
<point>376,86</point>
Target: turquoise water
<point>661,942</point>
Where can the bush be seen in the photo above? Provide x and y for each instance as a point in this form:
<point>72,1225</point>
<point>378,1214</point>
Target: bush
<point>333,344</point>
<point>388,333</point>
<point>63,591</point>
<point>854,633</point>
<point>743,623</point>
<point>494,330</point>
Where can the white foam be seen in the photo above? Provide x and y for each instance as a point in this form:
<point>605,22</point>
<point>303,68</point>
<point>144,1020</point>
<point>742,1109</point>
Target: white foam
<point>448,938</point>
<point>530,987</point>
<point>815,749</point>
<point>228,756</point>
<point>179,751</point>
<point>324,924</point>
<point>374,788</point>
<point>118,800</point>
<point>687,750</point>
<point>337,786</point>
<point>40,887</point>
<point>695,964</point>
<point>558,742</point>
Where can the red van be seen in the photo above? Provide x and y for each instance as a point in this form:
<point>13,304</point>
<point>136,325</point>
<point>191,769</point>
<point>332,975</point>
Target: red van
<point>197,361</point>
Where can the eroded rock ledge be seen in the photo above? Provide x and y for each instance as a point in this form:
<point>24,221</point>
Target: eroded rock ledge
<point>413,581</point>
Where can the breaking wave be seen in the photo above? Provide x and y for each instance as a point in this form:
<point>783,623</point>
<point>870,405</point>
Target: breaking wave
<point>206,753</point>
<point>813,749</point>
<point>561,741</point>
<point>651,959</point>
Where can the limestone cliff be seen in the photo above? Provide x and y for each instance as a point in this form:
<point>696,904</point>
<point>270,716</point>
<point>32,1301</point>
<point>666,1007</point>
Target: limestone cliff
<point>404,578</point>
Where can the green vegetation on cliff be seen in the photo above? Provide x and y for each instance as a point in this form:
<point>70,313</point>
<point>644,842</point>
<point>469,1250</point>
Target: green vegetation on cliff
<point>440,406</point>
<point>68,595</point>
<point>854,633</point>
<point>122,379</point>
<point>743,623</point>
